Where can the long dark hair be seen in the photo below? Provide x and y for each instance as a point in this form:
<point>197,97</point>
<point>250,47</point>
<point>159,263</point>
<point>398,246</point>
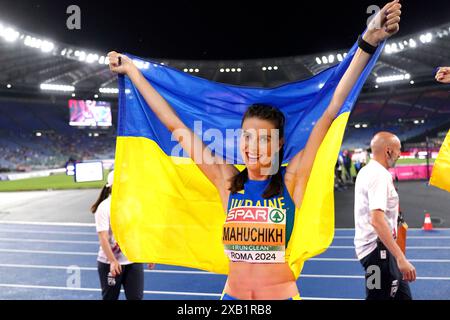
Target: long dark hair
<point>104,194</point>
<point>276,117</point>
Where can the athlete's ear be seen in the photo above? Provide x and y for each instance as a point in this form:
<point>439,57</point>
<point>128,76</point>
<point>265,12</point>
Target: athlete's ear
<point>281,143</point>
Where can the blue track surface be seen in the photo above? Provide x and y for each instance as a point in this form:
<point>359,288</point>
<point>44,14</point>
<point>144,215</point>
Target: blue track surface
<point>35,263</point>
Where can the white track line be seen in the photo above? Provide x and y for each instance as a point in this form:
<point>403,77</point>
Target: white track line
<point>47,232</point>
<point>47,241</point>
<point>326,276</point>
<point>74,253</point>
<point>99,290</point>
<point>409,237</point>
<point>335,276</point>
<point>198,294</point>
<point>25,266</point>
<point>356,260</point>
<point>59,224</point>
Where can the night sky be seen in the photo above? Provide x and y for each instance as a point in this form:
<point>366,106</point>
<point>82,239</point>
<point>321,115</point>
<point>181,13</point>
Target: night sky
<point>213,29</point>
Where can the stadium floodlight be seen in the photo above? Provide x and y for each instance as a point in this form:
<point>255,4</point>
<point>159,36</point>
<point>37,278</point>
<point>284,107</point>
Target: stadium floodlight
<point>325,60</point>
<point>412,82</point>
<point>340,57</point>
<point>222,70</point>
<point>393,78</point>
<point>197,70</point>
<point>47,46</point>
<point>377,86</point>
<point>38,134</point>
<point>227,70</point>
<point>426,38</point>
<point>275,68</point>
<point>238,69</point>
<point>357,126</point>
<point>412,43</point>
<point>191,70</point>
<point>416,121</point>
<point>318,60</point>
<point>56,87</point>
<point>9,86</point>
<point>269,68</point>
<point>73,95</point>
<point>96,96</point>
<point>92,57</point>
<point>142,64</point>
<point>9,34</point>
<point>185,70</point>
<point>331,58</point>
<point>109,90</point>
<point>233,70</point>
<point>101,60</point>
<point>388,49</point>
<point>264,68</point>
<point>364,125</point>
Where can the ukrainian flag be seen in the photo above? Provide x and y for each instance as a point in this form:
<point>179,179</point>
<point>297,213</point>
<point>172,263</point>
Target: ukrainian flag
<point>164,210</point>
<point>441,170</point>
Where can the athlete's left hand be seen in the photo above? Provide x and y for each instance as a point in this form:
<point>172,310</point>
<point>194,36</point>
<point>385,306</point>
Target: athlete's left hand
<point>443,75</point>
<point>385,24</point>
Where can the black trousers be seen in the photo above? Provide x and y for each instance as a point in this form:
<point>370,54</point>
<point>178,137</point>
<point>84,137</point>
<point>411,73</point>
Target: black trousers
<point>384,281</point>
<point>131,278</point>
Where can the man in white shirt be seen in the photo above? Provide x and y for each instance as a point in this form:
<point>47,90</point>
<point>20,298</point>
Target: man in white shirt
<point>376,213</point>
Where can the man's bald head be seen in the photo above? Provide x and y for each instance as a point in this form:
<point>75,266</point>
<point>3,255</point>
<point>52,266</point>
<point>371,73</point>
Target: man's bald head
<point>386,148</point>
<point>382,140</point>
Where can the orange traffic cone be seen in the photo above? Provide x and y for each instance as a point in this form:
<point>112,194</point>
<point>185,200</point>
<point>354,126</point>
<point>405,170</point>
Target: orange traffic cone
<point>427,225</point>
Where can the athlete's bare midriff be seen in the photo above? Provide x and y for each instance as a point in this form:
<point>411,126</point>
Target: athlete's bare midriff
<point>251,281</point>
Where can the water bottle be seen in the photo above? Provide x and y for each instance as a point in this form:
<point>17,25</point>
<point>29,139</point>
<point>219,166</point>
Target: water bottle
<point>111,280</point>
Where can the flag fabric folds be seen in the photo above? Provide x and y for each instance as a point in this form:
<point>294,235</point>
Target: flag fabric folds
<point>164,210</point>
<point>441,170</point>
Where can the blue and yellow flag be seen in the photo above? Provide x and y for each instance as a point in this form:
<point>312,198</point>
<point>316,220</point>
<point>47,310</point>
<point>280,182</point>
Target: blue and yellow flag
<point>441,170</point>
<point>164,210</point>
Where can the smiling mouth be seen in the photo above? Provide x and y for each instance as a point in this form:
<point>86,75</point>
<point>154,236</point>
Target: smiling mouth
<point>253,158</point>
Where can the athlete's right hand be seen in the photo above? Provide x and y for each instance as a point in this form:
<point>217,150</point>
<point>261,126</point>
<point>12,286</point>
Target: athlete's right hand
<point>125,67</point>
<point>407,269</point>
<point>115,268</point>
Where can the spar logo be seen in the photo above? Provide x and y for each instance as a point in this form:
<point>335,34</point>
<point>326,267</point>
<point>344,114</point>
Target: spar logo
<point>256,215</point>
<point>276,216</point>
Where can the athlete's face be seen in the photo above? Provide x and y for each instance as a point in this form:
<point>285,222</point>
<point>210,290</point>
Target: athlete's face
<point>258,144</point>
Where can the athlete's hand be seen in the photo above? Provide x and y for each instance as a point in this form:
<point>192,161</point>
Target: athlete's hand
<point>115,268</point>
<point>385,24</point>
<point>407,269</point>
<point>151,266</point>
<point>120,63</point>
<point>443,75</point>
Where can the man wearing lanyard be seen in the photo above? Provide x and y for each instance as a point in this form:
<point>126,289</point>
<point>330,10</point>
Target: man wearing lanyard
<point>376,212</point>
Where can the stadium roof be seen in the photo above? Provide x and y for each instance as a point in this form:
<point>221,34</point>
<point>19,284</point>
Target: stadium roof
<point>30,63</point>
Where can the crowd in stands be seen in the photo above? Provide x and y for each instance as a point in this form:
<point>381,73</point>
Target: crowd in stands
<point>38,136</point>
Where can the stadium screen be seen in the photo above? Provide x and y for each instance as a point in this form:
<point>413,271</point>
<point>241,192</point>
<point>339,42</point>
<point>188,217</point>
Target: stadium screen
<point>88,171</point>
<point>90,113</point>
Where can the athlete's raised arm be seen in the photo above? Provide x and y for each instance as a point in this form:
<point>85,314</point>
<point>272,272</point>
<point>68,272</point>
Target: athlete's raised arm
<point>214,168</point>
<point>383,26</point>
